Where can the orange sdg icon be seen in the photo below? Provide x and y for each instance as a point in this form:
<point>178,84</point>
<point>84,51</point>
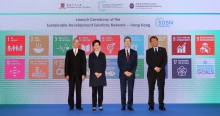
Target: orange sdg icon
<point>38,68</point>
<point>205,45</point>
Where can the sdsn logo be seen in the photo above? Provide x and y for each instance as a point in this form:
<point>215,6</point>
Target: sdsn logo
<point>160,22</point>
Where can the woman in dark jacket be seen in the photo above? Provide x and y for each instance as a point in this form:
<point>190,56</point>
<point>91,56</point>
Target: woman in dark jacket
<point>97,66</point>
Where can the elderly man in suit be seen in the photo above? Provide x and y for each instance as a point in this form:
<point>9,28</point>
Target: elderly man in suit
<point>75,73</point>
<point>156,58</point>
<point>127,63</point>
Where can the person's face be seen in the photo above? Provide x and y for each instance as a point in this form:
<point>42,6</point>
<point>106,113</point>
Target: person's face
<point>127,43</point>
<point>96,46</point>
<point>76,43</point>
<point>154,42</point>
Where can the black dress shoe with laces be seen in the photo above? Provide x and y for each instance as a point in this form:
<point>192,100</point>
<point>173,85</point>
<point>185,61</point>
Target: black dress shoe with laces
<point>123,108</point>
<point>71,108</point>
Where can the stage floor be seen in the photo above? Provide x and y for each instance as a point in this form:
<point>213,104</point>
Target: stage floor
<point>110,110</point>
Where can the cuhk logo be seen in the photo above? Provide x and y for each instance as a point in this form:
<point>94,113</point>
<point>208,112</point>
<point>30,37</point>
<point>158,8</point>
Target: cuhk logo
<point>62,6</point>
<point>160,22</point>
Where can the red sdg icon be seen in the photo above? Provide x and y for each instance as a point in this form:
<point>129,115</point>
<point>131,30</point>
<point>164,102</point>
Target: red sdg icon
<point>110,44</point>
<point>86,43</point>
<point>205,45</point>
<point>181,44</point>
<point>15,45</point>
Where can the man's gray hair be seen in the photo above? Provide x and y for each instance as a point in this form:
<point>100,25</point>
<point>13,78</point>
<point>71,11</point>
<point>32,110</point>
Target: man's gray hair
<point>76,39</point>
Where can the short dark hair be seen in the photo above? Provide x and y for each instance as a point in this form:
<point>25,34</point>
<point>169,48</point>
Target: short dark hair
<point>153,37</point>
<point>127,37</point>
<point>96,41</point>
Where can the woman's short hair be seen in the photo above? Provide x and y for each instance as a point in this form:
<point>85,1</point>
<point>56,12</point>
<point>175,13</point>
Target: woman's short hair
<point>96,41</point>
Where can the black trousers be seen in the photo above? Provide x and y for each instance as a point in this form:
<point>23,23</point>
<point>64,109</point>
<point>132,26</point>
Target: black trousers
<point>96,89</point>
<point>123,83</point>
<point>75,81</point>
<point>151,86</point>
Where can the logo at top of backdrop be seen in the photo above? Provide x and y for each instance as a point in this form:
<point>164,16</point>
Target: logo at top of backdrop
<point>144,5</point>
<point>103,5</point>
<point>73,5</point>
<point>160,22</point>
<point>62,6</point>
<point>131,5</point>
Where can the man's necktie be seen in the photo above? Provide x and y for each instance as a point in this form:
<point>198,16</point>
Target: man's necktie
<point>127,56</point>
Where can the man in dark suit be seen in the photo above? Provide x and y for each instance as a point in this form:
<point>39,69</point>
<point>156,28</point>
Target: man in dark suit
<point>75,73</point>
<point>127,63</point>
<point>156,58</point>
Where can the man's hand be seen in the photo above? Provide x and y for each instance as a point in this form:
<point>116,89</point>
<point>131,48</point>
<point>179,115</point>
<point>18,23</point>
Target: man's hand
<point>157,69</point>
<point>83,77</point>
<point>67,77</point>
<point>128,74</point>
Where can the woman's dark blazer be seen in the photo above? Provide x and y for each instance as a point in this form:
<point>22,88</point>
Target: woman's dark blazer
<point>97,64</point>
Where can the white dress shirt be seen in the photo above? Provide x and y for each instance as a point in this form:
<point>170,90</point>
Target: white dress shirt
<point>75,51</point>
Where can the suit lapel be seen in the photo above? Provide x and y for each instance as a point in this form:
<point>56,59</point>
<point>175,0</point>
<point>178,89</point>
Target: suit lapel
<point>78,53</point>
<point>152,50</point>
<point>95,54</point>
<point>130,55</point>
<point>159,50</point>
<point>124,54</point>
<point>72,54</point>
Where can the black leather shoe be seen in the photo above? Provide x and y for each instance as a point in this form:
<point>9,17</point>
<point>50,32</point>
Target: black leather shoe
<point>80,108</point>
<point>162,108</point>
<point>151,108</point>
<point>123,108</point>
<point>130,108</point>
<point>71,108</point>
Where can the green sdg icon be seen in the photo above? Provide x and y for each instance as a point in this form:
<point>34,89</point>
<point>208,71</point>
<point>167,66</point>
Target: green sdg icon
<point>140,69</point>
<point>61,44</point>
